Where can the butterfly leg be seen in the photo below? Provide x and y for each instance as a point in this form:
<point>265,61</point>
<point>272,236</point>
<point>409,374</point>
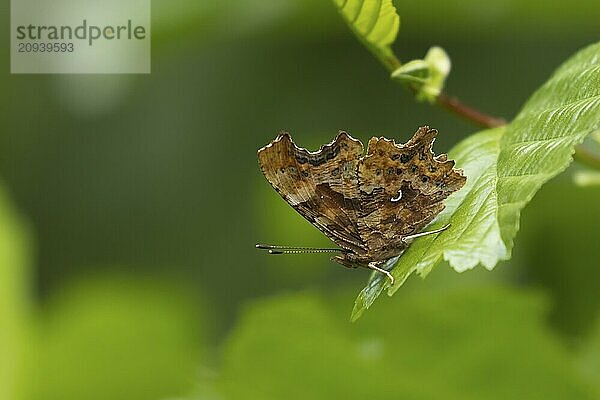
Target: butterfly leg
<point>407,238</point>
<point>373,265</point>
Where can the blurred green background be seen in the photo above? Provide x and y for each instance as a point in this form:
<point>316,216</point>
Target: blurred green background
<point>129,207</point>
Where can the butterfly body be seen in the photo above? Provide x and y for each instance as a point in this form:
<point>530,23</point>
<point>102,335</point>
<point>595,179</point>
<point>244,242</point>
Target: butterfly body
<point>368,204</point>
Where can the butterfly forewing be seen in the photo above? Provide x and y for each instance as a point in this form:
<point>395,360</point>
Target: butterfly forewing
<point>322,186</point>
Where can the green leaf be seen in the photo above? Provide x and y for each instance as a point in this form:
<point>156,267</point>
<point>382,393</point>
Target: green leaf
<point>426,76</point>
<point>590,358</point>
<point>596,137</point>
<point>505,168</point>
<point>439,67</point>
<point>14,290</point>
<point>468,343</point>
<point>115,337</point>
<point>375,23</point>
<point>540,141</point>
<point>413,72</point>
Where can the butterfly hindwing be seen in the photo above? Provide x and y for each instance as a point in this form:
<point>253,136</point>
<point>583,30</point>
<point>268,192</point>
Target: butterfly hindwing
<point>402,188</point>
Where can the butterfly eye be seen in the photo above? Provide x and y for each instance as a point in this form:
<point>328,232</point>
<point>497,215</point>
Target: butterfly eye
<point>424,178</point>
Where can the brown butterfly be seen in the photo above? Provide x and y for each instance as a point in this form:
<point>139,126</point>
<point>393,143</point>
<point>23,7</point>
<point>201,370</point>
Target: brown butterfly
<point>370,205</point>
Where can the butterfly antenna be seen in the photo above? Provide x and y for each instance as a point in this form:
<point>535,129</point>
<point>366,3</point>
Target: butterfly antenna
<point>295,250</point>
<point>302,251</point>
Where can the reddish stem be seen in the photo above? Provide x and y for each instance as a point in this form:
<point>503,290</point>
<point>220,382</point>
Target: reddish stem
<point>455,106</point>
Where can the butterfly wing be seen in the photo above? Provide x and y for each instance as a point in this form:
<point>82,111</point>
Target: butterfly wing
<point>402,189</point>
<point>322,186</point>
